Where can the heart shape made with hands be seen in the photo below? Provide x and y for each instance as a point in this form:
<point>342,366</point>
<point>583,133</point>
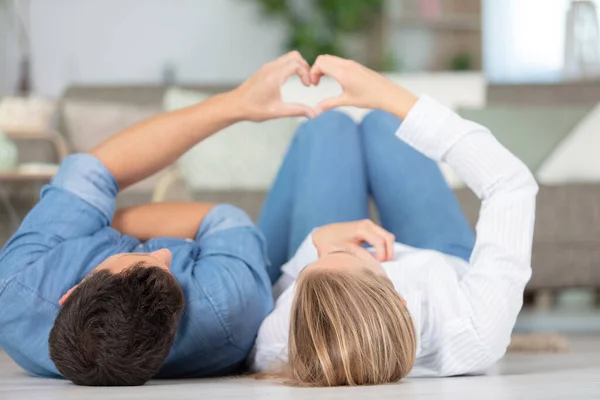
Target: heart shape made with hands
<point>332,82</point>
<point>294,91</point>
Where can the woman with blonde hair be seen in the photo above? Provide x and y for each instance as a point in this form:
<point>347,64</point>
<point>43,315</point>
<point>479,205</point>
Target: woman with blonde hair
<point>360,304</point>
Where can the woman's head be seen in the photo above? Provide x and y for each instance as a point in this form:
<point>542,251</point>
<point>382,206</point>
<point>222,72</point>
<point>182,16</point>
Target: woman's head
<point>349,327</point>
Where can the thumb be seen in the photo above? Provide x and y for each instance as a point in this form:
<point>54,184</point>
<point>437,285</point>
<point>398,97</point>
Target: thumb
<point>330,104</point>
<point>296,110</point>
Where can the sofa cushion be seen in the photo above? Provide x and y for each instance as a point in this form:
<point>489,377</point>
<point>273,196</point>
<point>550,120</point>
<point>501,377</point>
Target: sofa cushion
<point>88,123</point>
<point>531,133</point>
<point>576,158</point>
<point>566,250</point>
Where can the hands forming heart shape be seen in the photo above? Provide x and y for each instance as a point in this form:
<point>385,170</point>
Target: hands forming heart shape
<point>260,96</point>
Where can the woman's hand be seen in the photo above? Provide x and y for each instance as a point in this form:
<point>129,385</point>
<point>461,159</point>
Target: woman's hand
<point>259,98</point>
<point>351,235</point>
<point>361,86</point>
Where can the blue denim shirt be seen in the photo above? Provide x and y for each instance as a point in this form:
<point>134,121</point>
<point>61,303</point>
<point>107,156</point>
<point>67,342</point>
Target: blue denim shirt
<point>222,273</point>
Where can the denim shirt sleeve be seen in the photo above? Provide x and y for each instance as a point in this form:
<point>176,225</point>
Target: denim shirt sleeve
<point>85,177</point>
<point>232,271</point>
<point>79,201</point>
<point>222,217</point>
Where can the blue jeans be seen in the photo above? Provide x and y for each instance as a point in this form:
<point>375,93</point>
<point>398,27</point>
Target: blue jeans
<point>332,168</point>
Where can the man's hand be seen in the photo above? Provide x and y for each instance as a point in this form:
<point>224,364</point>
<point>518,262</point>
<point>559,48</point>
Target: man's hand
<point>361,86</point>
<point>352,235</point>
<point>259,98</point>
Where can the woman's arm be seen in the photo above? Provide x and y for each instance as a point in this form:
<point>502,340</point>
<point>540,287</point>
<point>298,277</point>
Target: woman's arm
<point>477,319</point>
<point>477,313</point>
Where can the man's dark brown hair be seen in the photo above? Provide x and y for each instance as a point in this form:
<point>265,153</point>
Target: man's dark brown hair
<point>117,329</point>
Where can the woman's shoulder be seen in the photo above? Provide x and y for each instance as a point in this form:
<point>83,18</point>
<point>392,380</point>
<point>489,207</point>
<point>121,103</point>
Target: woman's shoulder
<point>306,254</point>
<point>418,269</point>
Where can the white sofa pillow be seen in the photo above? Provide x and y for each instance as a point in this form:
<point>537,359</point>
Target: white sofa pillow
<point>88,123</point>
<point>26,114</point>
<point>245,156</point>
<point>576,158</point>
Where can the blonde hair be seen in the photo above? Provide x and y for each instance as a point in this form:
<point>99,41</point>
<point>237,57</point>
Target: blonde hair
<point>349,328</point>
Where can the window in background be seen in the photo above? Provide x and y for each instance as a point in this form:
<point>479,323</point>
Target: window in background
<point>525,41</point>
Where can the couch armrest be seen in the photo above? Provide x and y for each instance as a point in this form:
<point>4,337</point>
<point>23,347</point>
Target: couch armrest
<point>171,186</point>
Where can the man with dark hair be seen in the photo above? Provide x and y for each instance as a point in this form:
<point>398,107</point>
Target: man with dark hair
<point>105,315</point>
<point>105,297</point>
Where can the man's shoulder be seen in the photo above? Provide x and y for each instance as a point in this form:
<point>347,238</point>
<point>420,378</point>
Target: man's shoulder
<point>203,345</point>
<point>223,217</point>
<point>50,271</point>
<point>26,318</point>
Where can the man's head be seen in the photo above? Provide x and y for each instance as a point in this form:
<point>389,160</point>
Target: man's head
<point>117,326</point>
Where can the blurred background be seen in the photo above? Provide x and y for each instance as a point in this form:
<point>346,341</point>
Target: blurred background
<point>73,73</point>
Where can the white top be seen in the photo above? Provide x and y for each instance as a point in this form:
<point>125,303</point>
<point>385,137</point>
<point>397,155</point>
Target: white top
<point>463,312</point>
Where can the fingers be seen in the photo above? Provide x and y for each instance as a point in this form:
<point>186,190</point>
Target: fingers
<point>331,103</point>
<point>290,64</point>
<point>334,67</point>
<point>316,73</point>
<point>390,242</point>
<point>296,110</point>
<point>377,243</point>
<point>294,55</point>
<point>367,233</point>
<point>325,65</point>
<point>295,67</point>
<point>380,239</point>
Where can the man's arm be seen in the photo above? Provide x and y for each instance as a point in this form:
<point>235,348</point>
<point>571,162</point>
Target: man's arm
<point>80,199</point>
<point>144,149</point>
<point>154,144</point>
<point>176,220</point>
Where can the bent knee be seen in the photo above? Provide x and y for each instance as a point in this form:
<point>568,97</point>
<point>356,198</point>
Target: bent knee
<point>330,124</point>
<point>379,122</point>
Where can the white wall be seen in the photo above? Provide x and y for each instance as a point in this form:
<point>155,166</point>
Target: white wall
<point>116,41</point>
<point>524,40</point>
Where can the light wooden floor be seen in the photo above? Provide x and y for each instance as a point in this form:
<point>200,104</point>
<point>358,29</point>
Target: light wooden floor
<point>570,376</point>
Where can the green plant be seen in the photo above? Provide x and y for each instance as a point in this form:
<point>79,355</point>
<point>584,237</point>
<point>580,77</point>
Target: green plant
<point>461,62</point>
<point>318,28</point>
<point>391,63</point>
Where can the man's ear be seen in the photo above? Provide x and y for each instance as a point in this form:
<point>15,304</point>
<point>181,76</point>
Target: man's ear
<point>66,296</point>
